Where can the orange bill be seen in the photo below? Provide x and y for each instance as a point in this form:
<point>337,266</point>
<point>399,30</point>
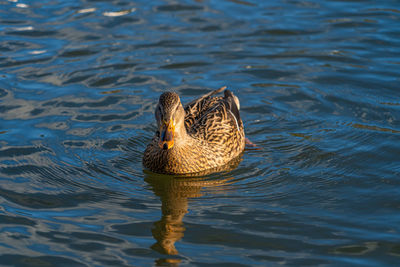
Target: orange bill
<point>167,135</point>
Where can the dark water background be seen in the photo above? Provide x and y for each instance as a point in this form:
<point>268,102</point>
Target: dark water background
<point>320,96</point>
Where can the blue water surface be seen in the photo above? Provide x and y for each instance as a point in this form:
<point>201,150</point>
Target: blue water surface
<point>318,83</point>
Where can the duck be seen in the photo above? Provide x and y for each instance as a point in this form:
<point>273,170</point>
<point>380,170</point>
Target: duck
<point>205,134</point>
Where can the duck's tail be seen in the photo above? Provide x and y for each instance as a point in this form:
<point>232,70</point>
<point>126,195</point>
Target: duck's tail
<point>234,105</point>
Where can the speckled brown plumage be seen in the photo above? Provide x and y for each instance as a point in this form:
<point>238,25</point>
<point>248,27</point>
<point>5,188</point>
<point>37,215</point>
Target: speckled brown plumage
<point>211,134</point>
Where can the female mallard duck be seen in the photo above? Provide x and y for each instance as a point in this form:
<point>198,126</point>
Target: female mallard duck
<point>206,133</point>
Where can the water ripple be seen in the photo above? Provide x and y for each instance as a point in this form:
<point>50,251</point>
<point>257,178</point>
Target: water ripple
<point>317,83</point>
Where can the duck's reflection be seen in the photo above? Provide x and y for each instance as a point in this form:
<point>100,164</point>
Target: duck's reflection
<point>174,196</point>
<point>174,193</point>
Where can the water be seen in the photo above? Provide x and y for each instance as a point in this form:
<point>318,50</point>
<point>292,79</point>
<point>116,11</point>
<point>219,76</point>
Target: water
<point>319,88</point>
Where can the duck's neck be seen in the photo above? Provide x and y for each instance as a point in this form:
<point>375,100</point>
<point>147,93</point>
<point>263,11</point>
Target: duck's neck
<point>181,136</point>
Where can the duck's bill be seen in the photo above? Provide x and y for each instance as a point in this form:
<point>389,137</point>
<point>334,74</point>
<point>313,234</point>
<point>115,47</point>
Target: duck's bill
<point>167,135</point>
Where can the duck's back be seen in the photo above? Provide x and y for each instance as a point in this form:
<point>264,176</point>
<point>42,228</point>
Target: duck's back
<point>196,110</point>
<point>216,121</point>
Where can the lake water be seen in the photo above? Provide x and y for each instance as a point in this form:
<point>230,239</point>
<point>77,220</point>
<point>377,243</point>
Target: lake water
<point>319,85</point>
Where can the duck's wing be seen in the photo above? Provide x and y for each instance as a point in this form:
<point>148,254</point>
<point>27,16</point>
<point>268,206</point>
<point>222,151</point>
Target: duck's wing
<point>219,121</point>
<point>198,107</point>
<point>194,102</point>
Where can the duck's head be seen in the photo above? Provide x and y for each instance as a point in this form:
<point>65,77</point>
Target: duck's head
<point>170,117</point>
